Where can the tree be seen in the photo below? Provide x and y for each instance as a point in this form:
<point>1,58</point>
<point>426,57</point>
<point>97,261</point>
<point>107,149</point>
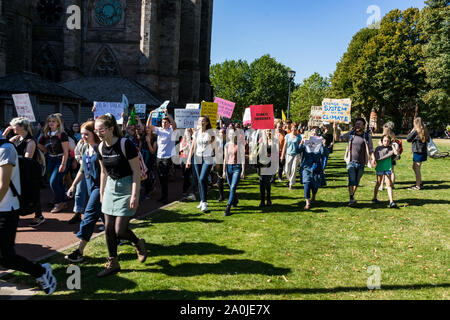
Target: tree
<point>435,24</point>
<point>389,73</point>
<point>231,81</point>
<point>269,83</point>
<point>342,80</point>
<point>309,93</point>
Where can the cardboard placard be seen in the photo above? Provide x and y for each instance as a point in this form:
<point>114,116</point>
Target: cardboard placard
<point>225,107</point>
<point>337,110</point>
<point>210,109</point>
<point>186,118</point>
<point>115,108</point>
<point>262,117</point>
<point>23,106</point>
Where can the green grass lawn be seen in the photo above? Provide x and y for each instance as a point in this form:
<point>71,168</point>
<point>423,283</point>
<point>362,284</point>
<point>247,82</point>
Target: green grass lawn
<point>285,252</point>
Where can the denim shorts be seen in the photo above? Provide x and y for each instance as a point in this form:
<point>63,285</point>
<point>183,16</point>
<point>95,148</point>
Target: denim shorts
<point>355,172</point>
<point>384,173</point>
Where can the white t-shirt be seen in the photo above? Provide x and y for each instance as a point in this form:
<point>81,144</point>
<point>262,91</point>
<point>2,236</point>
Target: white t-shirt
<point>166,146</point>
<point>203,147</point>
<point>8,155</point>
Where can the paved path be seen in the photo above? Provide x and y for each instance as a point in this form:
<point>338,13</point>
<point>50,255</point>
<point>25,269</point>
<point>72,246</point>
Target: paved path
<point>55,234</point>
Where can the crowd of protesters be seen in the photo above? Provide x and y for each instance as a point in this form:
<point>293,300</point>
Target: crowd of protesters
<point>108,170</point>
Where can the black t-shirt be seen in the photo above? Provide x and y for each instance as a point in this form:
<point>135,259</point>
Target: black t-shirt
<point>21,145</point>
<point>115,162</point>
<point>328,140</point>
<point>53,143</point>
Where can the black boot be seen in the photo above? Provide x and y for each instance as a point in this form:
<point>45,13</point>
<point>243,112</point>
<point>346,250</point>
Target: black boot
<point>262,194</point>
<point>269,201</point>
<point>220,185</point>
<point>227,211</point>
<point>236,202</point>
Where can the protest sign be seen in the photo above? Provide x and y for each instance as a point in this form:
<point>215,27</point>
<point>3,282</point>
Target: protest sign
<point>193,106</point>
<point>186,118</point>
<point>225,107</point>
<point>336,110</point>
<point>23,106</point>
<point>262,116</point>
<point>210,109</point>
<point>115,108</point>
<point>247,117</point>
<point>140,110</point>
<point>315,117</point>
<point>313,143</point>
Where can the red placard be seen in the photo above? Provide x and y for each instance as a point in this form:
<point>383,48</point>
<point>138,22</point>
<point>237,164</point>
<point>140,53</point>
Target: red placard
<point>262,116</point>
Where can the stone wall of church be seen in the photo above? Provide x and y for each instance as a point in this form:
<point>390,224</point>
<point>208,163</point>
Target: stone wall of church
<point>163,44</point>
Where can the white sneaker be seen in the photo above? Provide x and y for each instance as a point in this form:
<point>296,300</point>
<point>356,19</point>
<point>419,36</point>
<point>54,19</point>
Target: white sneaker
<point>204,207</point>
<point>200,205</point>
<point>48,280</point>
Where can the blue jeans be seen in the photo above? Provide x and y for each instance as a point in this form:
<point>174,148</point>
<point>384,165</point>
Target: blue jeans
<point>56,178</point>
<point>202,170</point>
<point>80,196</point>
<point>91,214</point>
<point>308,188</point>
<point>233,172</point>
<point>355,172</point>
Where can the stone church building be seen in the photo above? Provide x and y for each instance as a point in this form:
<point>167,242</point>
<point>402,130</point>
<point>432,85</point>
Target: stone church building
<point>149,50</point>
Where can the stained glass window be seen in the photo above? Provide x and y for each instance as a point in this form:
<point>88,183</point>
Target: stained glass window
<point>108,12</point>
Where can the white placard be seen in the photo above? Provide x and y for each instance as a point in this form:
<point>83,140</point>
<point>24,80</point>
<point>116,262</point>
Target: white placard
<point>140,110</point>
<point>186,118</point>
<point>23,106</point>
<point>193,106</point>
<point>115,108</point>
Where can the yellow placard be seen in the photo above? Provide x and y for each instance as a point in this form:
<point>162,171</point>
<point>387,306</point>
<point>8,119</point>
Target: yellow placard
<point>210,109</point>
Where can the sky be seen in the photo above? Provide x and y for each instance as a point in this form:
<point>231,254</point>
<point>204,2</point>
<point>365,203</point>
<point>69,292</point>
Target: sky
<point>307,36</point>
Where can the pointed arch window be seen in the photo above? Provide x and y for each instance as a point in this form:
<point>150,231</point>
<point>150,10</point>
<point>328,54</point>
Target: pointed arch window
<point>106,64</point>
<point>47,65</point>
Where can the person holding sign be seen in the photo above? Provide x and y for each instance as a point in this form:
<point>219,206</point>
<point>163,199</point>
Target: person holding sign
<point>311,168</point>
<point>203,146</point>
<point>166,149</point>
<point>359,153</point>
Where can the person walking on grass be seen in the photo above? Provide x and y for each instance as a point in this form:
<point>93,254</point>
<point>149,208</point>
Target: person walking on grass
<point>119,189</point>
<point>312,152</point>
<point>267,165</point>
<point>90,173</point>
<point>388,130</point>
<point>358,154</point>
<point>202,149</point>
<point>165,152</point>
<point>419,137</point>
<point>9,220</point>
<point>383,161</point>
<point>281,134</point>
<point>291,153</point>
<point>234,165</point>
<point>26,147</point>
<point>55,143</point>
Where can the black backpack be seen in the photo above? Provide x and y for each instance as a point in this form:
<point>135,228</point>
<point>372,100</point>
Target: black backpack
<point>30,182</point>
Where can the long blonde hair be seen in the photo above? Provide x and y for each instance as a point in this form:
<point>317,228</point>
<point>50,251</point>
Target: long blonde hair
<point>421,129</point>
<point>60,124</point>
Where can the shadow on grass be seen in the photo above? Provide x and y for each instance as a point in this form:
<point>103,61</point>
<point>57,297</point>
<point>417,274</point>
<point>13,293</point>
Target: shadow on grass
<point>194,295</point>
<point>166,216</point>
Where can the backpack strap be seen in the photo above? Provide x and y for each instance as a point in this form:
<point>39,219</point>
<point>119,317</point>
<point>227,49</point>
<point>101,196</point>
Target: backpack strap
<point>100,146</point>
<point>122,146</point>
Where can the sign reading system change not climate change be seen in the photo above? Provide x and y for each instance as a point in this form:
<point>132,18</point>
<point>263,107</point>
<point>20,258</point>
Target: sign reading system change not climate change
<point>337,110</point>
